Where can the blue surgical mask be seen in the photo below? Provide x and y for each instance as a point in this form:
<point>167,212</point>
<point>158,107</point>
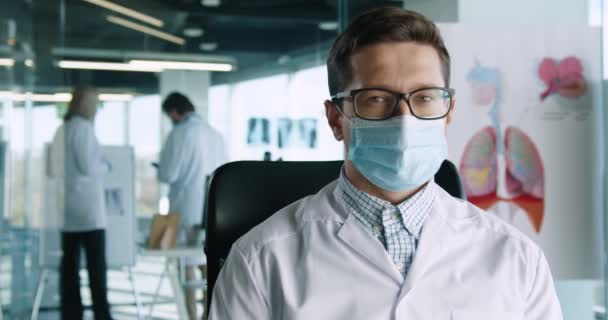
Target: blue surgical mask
<point>400,153</point>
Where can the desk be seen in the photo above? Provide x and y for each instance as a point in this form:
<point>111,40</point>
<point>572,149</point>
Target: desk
<point>171,269</point>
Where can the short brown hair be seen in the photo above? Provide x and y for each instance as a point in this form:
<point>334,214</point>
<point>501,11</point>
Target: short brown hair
<point>389,24</point>
<point>177,102</point>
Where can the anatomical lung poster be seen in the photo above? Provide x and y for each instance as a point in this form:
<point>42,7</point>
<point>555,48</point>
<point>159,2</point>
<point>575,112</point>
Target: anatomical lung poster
<point>525,134</point>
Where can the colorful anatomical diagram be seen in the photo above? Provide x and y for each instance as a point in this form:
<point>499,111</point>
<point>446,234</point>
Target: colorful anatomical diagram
<point>564,77</point>
<point>501,165</point>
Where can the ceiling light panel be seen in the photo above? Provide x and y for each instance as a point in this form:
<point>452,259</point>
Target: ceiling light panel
<point>147,30</point>
<point>127,12</point>
<point>182,65</point>
<point>7,62</point>
<point>110,66</point>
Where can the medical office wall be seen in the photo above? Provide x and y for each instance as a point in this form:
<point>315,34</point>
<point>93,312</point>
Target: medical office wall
<point>526,134</point>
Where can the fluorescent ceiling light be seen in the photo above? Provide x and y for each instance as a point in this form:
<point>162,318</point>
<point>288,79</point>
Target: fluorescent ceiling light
<point>64,96</point>
<point>7,62</point>
<point>57,97</point>
<point>193,32</point>
<point>147,30</point>
<point>208,46</point>
<point>60,97</point>
<point>29,63</point>
<point>145,65</point>
<point>110,66</point>
<point>36,97</point>
<point>328,25</point>
<point>181,65</point>
<point>211,3</point>
<point>115,97</point>
<point>127,12</point>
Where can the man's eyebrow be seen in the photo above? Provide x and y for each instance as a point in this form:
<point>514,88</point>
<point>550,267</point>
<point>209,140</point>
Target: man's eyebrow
<point>421,85</point>
<point>410,88</point>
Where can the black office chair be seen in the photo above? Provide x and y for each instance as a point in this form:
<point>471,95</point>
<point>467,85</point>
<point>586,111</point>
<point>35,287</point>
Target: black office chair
<point>242,194</point>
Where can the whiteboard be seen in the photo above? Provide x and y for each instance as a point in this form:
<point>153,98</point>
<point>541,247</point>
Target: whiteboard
<point>119,186</point>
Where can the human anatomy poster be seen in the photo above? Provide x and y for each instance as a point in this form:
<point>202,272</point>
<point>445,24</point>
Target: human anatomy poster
<point>525,134</point>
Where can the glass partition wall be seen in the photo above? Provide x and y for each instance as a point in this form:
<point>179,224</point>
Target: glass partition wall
<point>528,132</point>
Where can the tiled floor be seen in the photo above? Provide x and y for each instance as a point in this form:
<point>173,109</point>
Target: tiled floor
<point>147,275</point>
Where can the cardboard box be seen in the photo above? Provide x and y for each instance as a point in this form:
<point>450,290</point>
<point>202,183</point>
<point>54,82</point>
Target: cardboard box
<point>164,231</point>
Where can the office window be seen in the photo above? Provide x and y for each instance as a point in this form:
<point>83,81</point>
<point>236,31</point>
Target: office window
<point>110,123</point>
<point>220,115</point>
<point>144,136</point>
<point>282,114</point>
<point>45,122</point>
<point>17,190</point>
<point>256,104</point>
<point>310,135</point>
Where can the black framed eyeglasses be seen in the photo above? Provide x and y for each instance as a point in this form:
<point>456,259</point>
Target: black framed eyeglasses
<point>379,104</point>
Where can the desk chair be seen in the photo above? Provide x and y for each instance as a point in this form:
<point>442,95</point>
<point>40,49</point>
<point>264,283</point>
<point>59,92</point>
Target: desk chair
<point>243,194</point>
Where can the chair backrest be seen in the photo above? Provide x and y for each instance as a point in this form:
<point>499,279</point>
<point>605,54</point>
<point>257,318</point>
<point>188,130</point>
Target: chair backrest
<point>243,194</point>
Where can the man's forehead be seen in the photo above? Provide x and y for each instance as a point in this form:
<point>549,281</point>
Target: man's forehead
<point>384,62</point>
<point>391,52</point>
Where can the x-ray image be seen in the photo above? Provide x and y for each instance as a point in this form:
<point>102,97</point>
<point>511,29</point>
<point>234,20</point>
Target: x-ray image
<point>300,133</point>
<point>258,132</point>
<point>285,126</point>
<point>114,201</point>
<point>308,132</point>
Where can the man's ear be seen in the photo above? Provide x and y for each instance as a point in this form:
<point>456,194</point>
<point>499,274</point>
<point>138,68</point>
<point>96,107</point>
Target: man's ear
<point>334,119</point>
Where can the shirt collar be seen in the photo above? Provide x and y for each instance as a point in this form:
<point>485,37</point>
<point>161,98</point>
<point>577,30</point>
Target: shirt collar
<point>369,209</point>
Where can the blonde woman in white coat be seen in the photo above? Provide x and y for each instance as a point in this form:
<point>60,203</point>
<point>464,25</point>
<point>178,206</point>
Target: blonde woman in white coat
<point>84,220</point>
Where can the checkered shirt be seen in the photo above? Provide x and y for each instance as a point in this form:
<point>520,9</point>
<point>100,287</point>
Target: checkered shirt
<point>397,227</point>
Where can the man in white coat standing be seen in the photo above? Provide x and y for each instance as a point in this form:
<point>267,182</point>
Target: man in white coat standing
<point>193,150</point>
<point>384,241</point>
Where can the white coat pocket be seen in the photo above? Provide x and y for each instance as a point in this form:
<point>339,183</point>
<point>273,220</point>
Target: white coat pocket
<point>485,315</point>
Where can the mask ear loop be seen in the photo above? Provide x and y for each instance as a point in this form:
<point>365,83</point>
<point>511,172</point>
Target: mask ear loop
<point>335,103</point>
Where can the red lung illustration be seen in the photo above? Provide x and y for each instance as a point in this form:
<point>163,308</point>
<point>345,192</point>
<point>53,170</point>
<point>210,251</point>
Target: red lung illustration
<point>516,176</point>
<point>564,78</point>
<point>525,175</point>
<point>478,165</point>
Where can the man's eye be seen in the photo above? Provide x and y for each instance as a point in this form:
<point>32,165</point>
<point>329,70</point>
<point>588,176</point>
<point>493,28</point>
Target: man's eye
<point>425,99</point>
<point>376,99</point>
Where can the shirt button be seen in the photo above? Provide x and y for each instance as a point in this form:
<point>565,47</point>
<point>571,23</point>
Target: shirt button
<point>395,215</point>
<point>376,229</point>
<point>400,266</point>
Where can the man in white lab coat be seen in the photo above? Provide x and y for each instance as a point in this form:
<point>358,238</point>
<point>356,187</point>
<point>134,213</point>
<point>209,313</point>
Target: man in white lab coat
<point>193,150</point>
<point>384,241</point>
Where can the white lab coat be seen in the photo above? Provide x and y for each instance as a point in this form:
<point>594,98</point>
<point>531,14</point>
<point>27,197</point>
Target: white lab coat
<point>77,167</point>
<point>192,151</point>
<point>314,260</point>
